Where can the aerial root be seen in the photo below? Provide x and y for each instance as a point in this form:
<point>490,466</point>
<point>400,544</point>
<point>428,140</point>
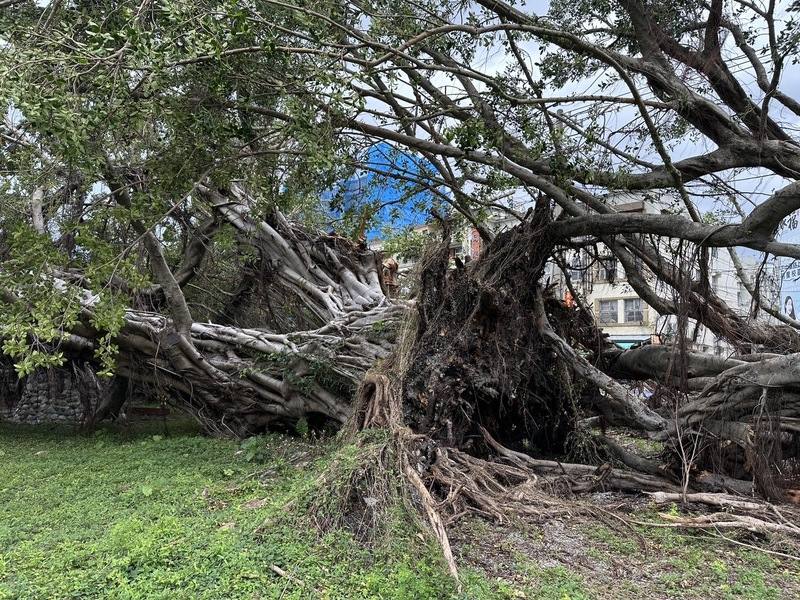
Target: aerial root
<point>516,485</point>
<point>724,520</point>
<point>434,518</point>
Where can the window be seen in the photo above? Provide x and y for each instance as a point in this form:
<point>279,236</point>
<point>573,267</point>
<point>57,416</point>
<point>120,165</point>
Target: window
<point>608,311</point>
<point>575,269</point>
<point>743,299</point>
<point>633,310</point>
<point>608,269</point>
<point>714,252</point>
<point>715,281</point>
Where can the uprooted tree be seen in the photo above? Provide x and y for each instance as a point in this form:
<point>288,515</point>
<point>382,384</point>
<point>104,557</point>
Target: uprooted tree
<point>163,164</point>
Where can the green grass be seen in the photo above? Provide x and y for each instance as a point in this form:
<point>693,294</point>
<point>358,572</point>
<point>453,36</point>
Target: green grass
<point>694,565</point>
<point>553,583</point>
<point>148,516</point>
<point>136,514</point>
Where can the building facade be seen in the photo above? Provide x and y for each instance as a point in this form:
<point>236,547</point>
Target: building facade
<point>628,320</point>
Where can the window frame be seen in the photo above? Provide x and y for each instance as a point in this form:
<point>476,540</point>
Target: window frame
<point>600,311</point>
<point>639,310</point>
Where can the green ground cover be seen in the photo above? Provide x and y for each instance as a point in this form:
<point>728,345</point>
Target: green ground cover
<point>139,514</point>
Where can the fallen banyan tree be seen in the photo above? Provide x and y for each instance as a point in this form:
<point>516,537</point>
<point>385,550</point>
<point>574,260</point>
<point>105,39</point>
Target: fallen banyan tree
<point>492,390</point>
<point>131,141</point>
<point>489,367</point>
<point>491,384</point>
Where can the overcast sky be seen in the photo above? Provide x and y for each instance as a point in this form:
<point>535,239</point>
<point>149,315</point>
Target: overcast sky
<point>756,184</point>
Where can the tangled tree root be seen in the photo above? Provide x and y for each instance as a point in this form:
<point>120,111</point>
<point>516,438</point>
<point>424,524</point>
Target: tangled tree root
<point>444,484</point>
<point>483,380</point>
<point>360,488</point>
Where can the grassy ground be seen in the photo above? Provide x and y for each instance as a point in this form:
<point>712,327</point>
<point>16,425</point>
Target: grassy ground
<point>137,514</point>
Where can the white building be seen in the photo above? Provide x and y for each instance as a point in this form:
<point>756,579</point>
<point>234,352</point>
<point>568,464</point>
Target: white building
<point>602,284</point>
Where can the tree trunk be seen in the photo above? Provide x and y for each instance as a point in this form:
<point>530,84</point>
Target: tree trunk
<point>241,381</point>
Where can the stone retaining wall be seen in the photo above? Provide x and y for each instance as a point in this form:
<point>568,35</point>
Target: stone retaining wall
<point>58,395</point>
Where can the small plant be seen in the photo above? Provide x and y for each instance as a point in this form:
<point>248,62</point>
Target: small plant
<point>254,449</point>
<point>301,427</point>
